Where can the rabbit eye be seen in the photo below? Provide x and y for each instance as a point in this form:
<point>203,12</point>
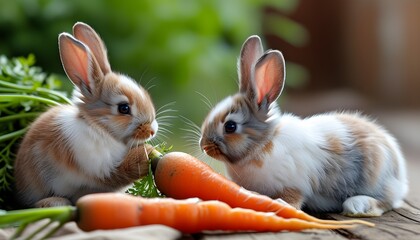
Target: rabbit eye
<point>230,127</point>
<point>124,108</point>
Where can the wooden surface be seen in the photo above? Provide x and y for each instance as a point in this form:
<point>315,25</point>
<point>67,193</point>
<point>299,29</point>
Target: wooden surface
<point>403,223</point>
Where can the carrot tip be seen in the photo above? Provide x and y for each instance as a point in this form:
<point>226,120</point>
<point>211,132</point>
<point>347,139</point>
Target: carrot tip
<point>350,222</point>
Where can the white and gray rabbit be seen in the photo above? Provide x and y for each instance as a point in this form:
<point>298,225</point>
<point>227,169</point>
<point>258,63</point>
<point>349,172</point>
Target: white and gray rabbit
<point>337,161</point>
<point>94,145</point>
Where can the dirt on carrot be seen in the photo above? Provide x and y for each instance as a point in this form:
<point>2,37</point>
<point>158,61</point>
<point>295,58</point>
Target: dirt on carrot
<point>180,175</point>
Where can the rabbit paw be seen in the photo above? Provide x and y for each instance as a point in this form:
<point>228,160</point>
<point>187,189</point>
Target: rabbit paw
<point>136,161</point>
<point>52,202</point>
<point>364,206</point>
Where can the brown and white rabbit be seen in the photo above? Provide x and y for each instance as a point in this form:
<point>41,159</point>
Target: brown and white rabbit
<point>337,161</point>
<point>94,145</point>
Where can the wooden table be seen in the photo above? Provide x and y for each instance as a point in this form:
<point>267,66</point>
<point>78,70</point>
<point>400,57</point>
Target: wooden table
<point>403,223</point>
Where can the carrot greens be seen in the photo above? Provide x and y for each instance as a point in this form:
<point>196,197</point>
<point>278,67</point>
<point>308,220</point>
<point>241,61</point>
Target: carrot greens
<point>25,92</point>
<point>145,186</point>
<point>22,218</point>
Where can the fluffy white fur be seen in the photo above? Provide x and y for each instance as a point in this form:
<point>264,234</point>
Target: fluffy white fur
<point>95,150</point>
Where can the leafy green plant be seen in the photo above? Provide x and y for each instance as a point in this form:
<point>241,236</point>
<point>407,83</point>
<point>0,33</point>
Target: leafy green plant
<point>145,186</point>
<point>25,92</point>
<point>56,217</point>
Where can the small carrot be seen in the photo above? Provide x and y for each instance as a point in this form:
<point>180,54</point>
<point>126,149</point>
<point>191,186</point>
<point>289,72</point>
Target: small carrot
<point>180,175</point>
<point>117,210</point>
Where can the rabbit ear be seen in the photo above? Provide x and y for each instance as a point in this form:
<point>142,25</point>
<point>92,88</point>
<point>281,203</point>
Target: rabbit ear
<point>269,77</point>
<point>79,64</point>
<point>88,36</point>
<point>251,51</point>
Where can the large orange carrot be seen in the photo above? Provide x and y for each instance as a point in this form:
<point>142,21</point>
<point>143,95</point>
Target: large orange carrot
<point>117,210</point>
<point>180,175</point>
<point>110,211</point>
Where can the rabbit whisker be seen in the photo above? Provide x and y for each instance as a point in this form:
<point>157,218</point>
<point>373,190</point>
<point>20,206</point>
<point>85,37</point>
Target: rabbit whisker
<point>166,106</point>
<point>164,125</point>
<point>164,134</point>
<point>165,118</point>
<point>150,87</point>
<point>153,141</point>
<point>147,87</point>
<point>191,124</point>
<point>205,100</point>
<point>142,75</point>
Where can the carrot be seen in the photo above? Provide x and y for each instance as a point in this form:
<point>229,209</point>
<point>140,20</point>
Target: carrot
<point>111,210</point>
<point>117,210</point>
<point>180,175</point>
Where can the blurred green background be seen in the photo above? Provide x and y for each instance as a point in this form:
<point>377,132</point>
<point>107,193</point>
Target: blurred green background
<point>183,51</point>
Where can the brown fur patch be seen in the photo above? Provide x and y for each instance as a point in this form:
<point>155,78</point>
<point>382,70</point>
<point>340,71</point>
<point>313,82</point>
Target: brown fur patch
<point>257,162</point>
<point>97,112</point>
<point>268,148</point>
<point>42,144</point>
<point>27,176</point>
<point>370,139</point>
<point>220,118</point>
<point>238,103</point>
<point>334,144</point>
<point>251,132</point>
<point>291,196</point>
<point>234,138</point>
<point>120,120</point>
<point>52,140</point>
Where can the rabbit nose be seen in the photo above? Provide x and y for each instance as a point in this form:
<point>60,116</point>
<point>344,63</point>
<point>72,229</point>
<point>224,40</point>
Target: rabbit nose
<point>202,143</point>
<point>146,130</point>
<point>154,127</point>
<point>205,144</point>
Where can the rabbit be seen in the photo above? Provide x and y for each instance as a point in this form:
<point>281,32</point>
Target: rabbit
<point>97,144</point>
<point>333,162</point>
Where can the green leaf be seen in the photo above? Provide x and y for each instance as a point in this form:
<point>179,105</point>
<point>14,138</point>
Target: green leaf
<point>145,186</point>
<point>25,92</point>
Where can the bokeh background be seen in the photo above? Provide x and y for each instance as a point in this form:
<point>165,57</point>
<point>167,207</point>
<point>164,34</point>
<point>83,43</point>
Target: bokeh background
<point>348,54</point>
